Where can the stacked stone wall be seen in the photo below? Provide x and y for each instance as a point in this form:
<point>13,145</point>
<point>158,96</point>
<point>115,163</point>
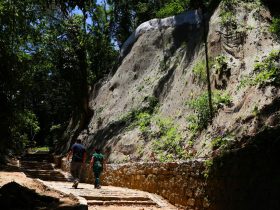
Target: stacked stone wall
<point>182,184</point>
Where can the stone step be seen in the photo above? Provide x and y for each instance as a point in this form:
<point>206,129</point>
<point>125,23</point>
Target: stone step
<point>120,203</point>
<point>40,168</point>
<point>117,198</point>
<point>46,176</point>
<point>36,157</point>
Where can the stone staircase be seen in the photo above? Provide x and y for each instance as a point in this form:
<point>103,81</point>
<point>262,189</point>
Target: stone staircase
<point>108,197</point>
<point>111,196</point>
<point>39,166</point>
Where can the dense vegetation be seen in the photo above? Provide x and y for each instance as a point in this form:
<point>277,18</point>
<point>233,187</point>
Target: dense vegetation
<point>50,55</point>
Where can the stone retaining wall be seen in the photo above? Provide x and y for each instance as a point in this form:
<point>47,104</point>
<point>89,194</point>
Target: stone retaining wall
<point>183,184</point>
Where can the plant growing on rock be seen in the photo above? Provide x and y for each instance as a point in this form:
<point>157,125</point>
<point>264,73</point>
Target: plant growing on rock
<point>143,121</point>
<point>140,150</point>
<point>199,71</point>
<point>265,73</point>
<point>228,19</point>
<point>135,114</point>
<point>208,165</point>
<point>256,111</point>
<point>275,26</point>
<point>220,64</point>
<point>168,144</point>
<point>199,120</point>
<point>221,141</point>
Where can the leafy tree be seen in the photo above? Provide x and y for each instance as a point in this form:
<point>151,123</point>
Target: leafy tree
<point>173,8</point>
<point>48,60</point>
<point>17,39</point>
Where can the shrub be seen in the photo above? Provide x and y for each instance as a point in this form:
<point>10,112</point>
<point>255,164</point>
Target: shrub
<point>228,19</point>
<point>172,8</point>
<point>200,105</point>
<point>220,63</point>
<point>275,26</point>
<point>193,123</point>
<point>265,72</point>
<point>169,142</point>
<point>143,121</point>
<point>133,115</point>
<point>24,129</point>
<point>208,166</point>
<point>221,141</point>
<point>199,71</point>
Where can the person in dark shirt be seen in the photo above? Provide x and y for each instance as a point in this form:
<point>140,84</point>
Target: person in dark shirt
<point>97,164</point>
<point>78,153</point>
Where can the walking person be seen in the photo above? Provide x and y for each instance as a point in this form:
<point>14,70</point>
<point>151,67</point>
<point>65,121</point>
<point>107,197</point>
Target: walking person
<point>97,163</point>
<point>78,153</point>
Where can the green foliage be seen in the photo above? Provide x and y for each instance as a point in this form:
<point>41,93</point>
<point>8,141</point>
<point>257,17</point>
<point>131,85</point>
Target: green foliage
<point>172,8</point>
<point>39,149</point>
<point>275,26</point>
<point>135,116</point>
<point>221,141</point>
<point>140,150</point>
<point>168,144</point>
<point>220,64</point>
<point>245,81</point>
<point>229,2</point>
<point>208,166</point>
<point>49,59</point>
<point>256,111</point>
<point>25,126</point>
<point>163,65</point>
<point>143,121</point>
<point>266,72</point>
<point>193,123</point>
<point>200,105</point>
<point>228,19</point>
<point>153,103</point>
<point>199,71</point>
<point>55,127</point>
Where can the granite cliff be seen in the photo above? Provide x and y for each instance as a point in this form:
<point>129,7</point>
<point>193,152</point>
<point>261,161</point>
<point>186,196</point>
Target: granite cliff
<point>155,105</point>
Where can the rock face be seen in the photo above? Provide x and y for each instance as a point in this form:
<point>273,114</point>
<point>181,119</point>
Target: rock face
<point>156,78</point>
<point>191,17</point>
